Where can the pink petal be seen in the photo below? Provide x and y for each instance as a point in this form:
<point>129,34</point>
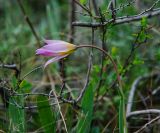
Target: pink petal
<point>54,60</point>
<point>54,42</point>
<point>45,52</point>
<point>62,47</point>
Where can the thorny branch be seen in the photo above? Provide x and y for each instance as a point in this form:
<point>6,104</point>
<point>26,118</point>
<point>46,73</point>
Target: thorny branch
<point>83,7</point>
<point>119,20</point>
<point>151,8</point>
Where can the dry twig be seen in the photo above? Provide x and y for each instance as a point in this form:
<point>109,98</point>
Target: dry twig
<point>119,20</point>
<point>147,124</point>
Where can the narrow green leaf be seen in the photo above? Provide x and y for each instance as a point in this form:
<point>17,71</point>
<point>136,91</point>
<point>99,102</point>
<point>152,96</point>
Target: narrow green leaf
<point>122,117</point>
<point>84,122</point>
<point>25,86</point>
<point>15,111</point>
<point>16,115</point>
<point>144,22</point>
<point>70,117</point>
<point>82,1</point>
<point>46,115</point>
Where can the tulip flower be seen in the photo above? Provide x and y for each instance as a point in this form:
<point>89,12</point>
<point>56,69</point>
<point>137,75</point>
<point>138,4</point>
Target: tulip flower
<point>55,48</point>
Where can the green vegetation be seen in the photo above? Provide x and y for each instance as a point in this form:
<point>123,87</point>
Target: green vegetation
<point>29,93</point>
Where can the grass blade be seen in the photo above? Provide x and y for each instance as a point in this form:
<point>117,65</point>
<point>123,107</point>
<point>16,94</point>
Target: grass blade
<point>47,116</point>
<point>16,115</point>
<point>122,117</point>
<point>84,122</point>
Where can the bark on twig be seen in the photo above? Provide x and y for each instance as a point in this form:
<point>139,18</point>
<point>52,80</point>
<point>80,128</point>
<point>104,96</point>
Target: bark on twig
<point>11,67</point>
<point>120,20</point>
<point>133,90</point>
<point>72,19</point>
<point>147,124</point>
<point>142,112</point>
